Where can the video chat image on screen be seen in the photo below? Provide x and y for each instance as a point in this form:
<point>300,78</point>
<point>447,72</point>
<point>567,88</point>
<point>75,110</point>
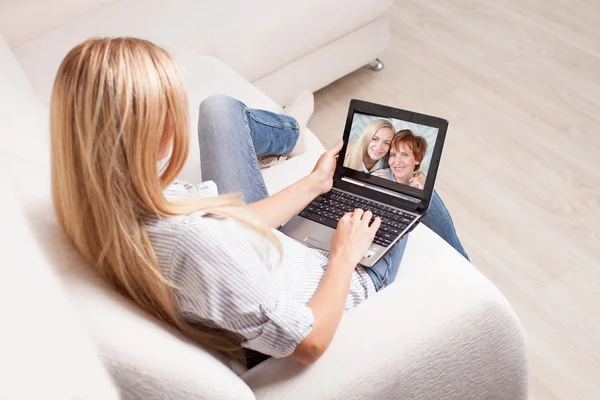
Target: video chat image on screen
<point>392,149</point>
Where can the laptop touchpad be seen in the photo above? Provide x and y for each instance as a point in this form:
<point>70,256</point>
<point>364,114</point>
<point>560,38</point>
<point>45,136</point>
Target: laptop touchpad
<point>319,238</point>
<point>314,243</point>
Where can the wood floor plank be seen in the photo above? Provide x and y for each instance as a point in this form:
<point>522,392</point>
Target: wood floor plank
<point>520,83</point>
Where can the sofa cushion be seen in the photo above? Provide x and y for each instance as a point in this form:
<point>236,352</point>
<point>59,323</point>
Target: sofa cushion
<point>255,38</point>
<point>45,351</point>
<point>440,331</point>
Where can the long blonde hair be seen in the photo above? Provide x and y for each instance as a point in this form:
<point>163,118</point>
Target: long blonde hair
<point>355,154</point>
<point>113,101</point>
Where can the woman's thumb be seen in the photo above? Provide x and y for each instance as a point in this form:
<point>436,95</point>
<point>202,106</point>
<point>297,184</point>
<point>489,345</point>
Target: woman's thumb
<point>337,147</point>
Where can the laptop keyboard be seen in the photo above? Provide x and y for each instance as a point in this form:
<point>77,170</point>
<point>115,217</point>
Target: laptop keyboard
<point>328,208</point>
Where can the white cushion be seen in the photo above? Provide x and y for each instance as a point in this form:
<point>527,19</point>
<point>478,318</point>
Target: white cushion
<point>330,62</point>
<point>440,331</point>
<point>45,351</point>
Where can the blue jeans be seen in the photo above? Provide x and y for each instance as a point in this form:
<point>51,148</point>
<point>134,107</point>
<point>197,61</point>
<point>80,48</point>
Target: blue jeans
<point>231,136</point>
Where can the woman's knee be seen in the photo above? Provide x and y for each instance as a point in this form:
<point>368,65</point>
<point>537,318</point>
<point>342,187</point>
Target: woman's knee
<point>437,208</point>
<point>219,107</point>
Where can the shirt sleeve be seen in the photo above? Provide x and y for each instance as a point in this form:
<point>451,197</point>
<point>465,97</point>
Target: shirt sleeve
<point>222,276</point>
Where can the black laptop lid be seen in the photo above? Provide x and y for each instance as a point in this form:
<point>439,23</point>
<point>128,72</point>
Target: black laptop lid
<point>390,155</point>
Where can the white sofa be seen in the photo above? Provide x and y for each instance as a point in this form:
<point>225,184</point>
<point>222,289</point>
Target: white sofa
<point>441,331</point>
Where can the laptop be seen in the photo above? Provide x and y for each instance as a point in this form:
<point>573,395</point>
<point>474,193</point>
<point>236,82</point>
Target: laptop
<point>394,183</point>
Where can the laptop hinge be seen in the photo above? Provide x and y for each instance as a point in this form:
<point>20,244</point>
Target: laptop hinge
<point>382,190</point>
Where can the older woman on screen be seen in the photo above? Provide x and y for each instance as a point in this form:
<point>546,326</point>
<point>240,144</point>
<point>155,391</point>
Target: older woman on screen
<point>407,151</point>
<point>367,153</point>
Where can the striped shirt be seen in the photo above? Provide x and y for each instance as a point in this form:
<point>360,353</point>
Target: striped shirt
<point>227,276</point>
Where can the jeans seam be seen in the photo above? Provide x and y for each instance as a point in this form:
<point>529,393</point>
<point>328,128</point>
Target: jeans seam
<point>384,278</point>
<point>272,125</point>
<point>253,152</point>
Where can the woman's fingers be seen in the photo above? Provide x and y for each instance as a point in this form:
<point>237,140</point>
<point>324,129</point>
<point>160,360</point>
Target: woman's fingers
<point>336,148</point>
<point>357,214</point>
<point>375,225</point>
<point>367,217</point>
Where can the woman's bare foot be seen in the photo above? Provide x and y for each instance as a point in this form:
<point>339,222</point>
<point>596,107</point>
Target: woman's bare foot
<point>301,108</point>
<point>269,161</point>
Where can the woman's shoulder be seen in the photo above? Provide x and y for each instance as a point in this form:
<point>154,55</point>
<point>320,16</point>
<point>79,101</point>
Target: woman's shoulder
<point>198,226</point>
<point>202,239</point>
<point>181,189</point>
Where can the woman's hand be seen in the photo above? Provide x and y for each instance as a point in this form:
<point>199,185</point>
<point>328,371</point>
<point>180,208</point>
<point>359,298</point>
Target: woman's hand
<point>353,236</point>
<point>418,181</point>
<point>325,167</point>
<point>414,182</point>
<point>283,205</point>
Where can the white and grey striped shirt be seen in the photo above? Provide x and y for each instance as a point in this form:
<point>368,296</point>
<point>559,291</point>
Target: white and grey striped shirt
<point>229,277</point>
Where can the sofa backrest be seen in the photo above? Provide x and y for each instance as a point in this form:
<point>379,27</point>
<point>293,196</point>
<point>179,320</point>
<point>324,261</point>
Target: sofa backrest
<point>225,29</point>
<point>146,359</point>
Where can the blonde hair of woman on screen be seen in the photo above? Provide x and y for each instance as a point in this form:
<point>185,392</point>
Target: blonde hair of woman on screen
<point>367,153</point>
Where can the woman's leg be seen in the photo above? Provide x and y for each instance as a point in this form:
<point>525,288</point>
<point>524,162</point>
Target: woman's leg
<point>231,136</point>
<point>385,270</point>
<point>438,220</point>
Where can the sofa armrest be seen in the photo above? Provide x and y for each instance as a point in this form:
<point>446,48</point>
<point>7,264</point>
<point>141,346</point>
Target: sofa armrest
<point>440,331</point>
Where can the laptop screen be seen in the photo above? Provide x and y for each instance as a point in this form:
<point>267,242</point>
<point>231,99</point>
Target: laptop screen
<point>392,149</point>
<point>390,155</point>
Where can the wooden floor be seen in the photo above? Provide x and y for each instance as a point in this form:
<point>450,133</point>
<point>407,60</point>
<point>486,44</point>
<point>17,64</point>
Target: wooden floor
<point>519,81</point>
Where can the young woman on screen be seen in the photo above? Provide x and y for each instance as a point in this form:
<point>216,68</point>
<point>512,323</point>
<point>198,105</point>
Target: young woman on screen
<point>368,152</point>
<point>210,265</point>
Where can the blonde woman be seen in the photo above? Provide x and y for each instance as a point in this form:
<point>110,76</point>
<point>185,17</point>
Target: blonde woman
<point>210,265</point>
<point>368,152</point>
